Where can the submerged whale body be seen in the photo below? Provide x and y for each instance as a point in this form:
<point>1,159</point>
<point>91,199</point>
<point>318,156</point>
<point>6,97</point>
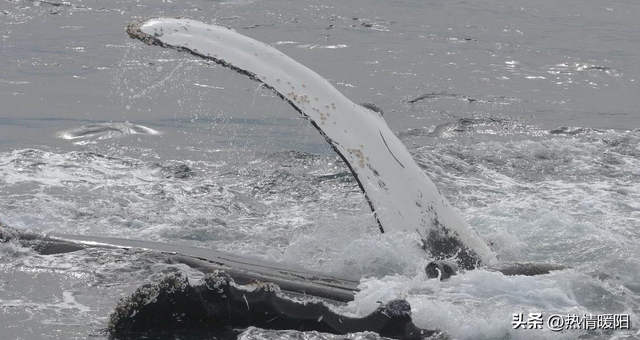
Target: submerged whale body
<point>235,293</point>
<point>217,302</point>
<point>445,269</point>
<point>107,131</point>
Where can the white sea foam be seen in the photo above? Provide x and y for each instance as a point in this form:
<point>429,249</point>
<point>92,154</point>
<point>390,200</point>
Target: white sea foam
<point>567,200</point>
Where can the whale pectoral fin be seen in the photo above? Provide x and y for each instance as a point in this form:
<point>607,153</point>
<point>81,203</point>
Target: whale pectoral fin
<point>400,194</point>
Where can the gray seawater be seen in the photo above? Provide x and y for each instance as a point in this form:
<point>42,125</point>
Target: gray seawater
<point>525,114</point>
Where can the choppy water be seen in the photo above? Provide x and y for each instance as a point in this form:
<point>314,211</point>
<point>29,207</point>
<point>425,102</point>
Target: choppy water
<point>101,135</point>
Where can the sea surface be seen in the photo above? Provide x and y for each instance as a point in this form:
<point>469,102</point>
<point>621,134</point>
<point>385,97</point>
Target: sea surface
<point>524,113</point>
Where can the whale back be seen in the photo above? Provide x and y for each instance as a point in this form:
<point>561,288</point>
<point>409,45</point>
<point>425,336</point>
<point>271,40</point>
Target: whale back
<point>399,193</point>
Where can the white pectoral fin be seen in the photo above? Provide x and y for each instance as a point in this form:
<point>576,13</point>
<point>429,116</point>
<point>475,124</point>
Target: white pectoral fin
<point>398,191</point>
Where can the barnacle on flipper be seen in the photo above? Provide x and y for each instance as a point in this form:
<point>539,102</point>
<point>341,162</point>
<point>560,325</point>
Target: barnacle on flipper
<point>144,295</point>
<point>264,286</point>
<point>217,280</point>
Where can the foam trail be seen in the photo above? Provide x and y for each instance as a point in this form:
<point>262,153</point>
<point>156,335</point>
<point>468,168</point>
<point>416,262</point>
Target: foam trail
<point>397,190</point>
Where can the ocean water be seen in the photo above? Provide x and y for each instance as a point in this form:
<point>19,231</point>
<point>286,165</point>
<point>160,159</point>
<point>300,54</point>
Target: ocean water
<point>525,115</point>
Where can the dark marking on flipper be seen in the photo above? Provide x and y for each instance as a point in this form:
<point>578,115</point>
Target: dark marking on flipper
<point>394,156</point>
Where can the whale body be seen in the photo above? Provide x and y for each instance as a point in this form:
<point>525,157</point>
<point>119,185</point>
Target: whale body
<point>235,293</point>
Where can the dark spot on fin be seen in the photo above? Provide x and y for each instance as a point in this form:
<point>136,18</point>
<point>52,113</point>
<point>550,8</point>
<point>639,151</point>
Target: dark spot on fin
<point>372,107</point>
<point>444,246</point>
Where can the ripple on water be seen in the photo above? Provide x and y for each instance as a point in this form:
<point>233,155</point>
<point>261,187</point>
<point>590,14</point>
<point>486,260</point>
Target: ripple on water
<point>106,131</point>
